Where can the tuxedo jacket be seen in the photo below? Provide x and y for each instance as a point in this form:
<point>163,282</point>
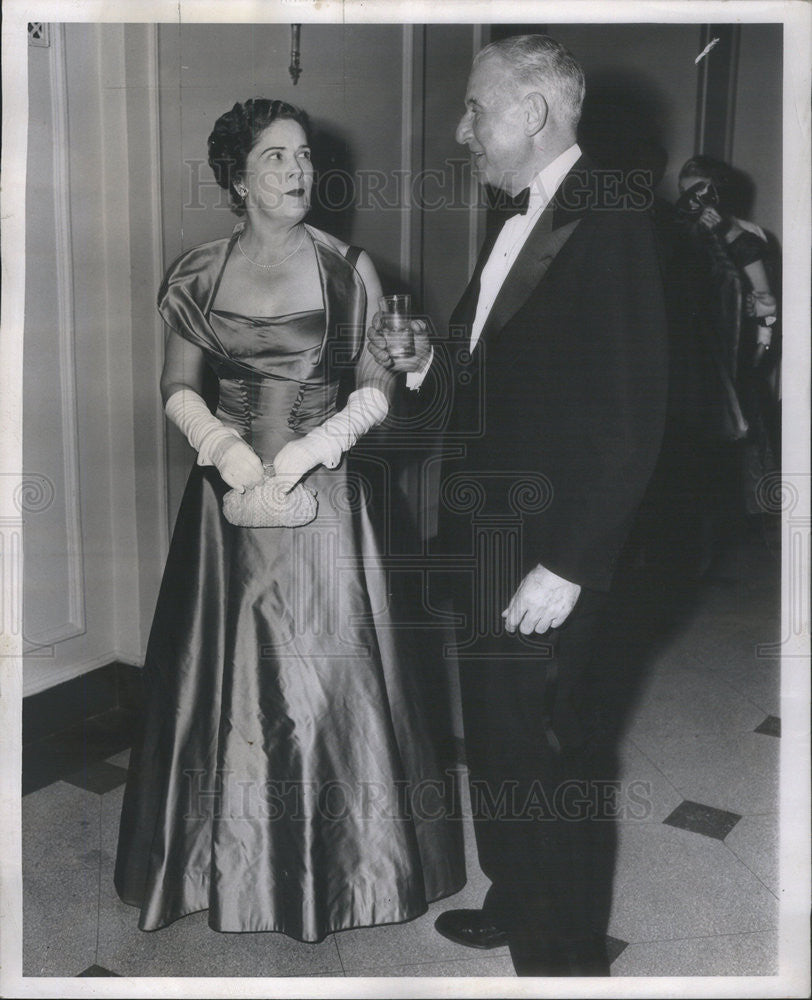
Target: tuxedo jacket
<point>558,413</point>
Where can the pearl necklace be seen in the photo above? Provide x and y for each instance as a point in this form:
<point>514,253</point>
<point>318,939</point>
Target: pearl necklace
<point>256,263</point>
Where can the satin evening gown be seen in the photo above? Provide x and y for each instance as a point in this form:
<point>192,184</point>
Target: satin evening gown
<point>288,778</point>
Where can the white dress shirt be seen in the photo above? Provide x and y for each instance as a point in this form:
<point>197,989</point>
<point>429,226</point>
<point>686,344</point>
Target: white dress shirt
<point>509,243</point>
<point>514,233</point>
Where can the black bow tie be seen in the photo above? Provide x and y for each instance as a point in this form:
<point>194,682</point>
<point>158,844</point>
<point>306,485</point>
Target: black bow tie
<point>511,205</point>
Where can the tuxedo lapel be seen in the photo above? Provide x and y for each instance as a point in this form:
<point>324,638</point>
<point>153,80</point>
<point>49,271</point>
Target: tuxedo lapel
<point>529,268</point>
<point>465,310</point>
<point>554,227</point>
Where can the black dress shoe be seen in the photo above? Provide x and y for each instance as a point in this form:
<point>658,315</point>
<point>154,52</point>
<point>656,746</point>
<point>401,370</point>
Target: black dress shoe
<point>472,928</point>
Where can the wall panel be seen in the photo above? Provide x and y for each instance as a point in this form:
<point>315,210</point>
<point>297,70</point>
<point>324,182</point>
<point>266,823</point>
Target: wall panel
<point>85,259</point>
<point>642,79</point>
<point>54,610</point>
<point>757,132</point>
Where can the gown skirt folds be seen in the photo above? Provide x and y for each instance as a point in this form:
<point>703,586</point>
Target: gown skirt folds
<point>287,778</point>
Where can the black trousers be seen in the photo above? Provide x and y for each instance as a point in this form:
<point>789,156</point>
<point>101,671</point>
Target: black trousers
<point>541,773</point>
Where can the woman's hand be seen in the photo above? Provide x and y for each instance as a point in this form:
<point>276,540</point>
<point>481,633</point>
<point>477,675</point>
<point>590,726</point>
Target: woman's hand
<point>709,219</point>
<point>238,464</point>
<point>379,349</point>
<point>760,304</point>
<point>295,459</point>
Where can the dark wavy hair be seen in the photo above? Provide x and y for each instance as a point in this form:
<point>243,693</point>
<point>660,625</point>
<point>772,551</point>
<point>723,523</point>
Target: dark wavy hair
<point>235,134</point>
<point>717,171</point>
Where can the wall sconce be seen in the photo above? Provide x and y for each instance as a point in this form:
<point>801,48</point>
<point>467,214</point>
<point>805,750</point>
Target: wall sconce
<point>294,69</point>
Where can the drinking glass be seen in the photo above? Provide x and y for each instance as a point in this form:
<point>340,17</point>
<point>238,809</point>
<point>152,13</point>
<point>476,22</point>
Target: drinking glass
<point>395,311</point>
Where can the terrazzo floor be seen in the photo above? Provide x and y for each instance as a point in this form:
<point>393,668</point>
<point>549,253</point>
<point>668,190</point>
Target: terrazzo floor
<point>696,887</point>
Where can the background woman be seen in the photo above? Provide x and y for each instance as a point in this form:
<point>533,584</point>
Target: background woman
<point>281,776</point>
<point>738,259</point>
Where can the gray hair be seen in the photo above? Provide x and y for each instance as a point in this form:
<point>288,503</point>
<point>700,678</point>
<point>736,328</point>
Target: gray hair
<point>541,61</point>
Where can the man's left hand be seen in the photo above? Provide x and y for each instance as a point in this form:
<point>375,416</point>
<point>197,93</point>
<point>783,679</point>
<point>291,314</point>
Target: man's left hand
<point>542,601</point>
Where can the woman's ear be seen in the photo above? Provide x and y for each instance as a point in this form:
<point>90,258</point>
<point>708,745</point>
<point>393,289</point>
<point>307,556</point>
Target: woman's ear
<point>536,111</point>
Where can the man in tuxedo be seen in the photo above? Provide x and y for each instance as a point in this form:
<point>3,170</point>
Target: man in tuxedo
<point>555,374</point>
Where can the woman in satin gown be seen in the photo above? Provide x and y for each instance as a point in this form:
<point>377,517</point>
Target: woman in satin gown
<point>287,778</point>
<point>736,257</point>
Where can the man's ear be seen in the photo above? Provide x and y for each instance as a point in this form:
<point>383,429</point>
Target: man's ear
<point>536,112</point>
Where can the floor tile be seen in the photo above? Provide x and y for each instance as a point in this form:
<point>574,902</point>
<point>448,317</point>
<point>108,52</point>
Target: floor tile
<point>615,947</point>
<point>60,829</point>
<point>97,970</point>
<point>704,820</point>
<point>705,639</point>
<point>737,772</point>
<point>413,943</point>
<point>321,975</point>
<point>48,760</point>
<point>726,955</point>
<point>771,726</point>
<point>755,842</point>
<point>758,679</point>
<point>121,759</point>
<point>647,795</point>
<point>742,648</point>
<point>110,816</point>
<point>750,597</point>
<point>673,658</point>
<point>673,884</point>
<point>99,777</point>
<point>496,965</point>
<point>476,883</point>
<point>60,922</point>
<point>687,701</point>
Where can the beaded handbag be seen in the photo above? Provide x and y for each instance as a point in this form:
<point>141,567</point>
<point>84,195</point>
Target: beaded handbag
<point>268,506</point>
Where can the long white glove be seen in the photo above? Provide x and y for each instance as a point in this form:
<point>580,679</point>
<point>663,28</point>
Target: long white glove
<point>215,444</point>
<point>325,445</point>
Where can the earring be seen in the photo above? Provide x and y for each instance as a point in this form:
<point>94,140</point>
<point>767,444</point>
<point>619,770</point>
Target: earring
<point>242,192</point>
